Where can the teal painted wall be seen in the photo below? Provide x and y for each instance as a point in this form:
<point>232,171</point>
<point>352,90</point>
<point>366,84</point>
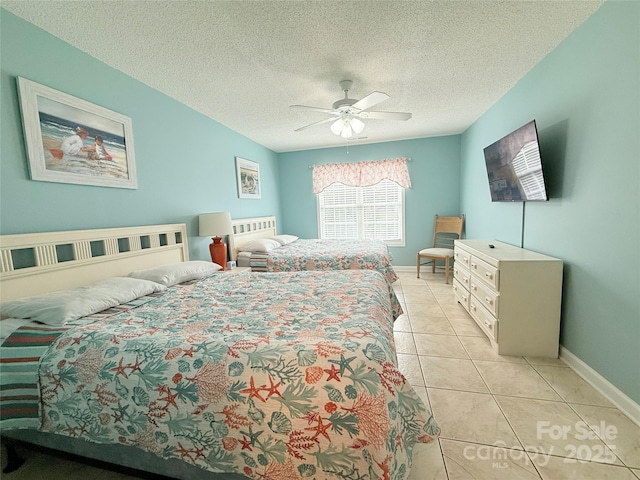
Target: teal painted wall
<point>585,98</point>
<point>434,169</point>
<point>185,160</point>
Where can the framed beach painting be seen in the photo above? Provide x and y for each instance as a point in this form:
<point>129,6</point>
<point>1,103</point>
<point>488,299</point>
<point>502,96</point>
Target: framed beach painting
<point>248,174</point>
<point>70,140</point>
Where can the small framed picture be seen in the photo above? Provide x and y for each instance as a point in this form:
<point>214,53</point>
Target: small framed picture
<point>70,140</point>
<point>248,176</point>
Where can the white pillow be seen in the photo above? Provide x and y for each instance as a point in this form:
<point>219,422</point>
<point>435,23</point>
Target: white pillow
<point>57,308</point>
<point>260,245</point>
<point>177,272</point>
<point>285,239</point>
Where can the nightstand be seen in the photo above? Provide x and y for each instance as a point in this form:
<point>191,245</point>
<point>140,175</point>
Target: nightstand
<point>236,271</point>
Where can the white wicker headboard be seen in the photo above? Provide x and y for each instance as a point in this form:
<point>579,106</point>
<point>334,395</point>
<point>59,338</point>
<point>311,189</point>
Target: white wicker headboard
<point>247,229</point>
<point>36,263</point>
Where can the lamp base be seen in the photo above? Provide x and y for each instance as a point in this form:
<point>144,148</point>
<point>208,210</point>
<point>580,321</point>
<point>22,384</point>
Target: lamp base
<point>218,250</point>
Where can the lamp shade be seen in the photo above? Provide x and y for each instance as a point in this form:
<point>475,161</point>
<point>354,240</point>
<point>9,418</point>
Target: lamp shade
<point>215,224</point>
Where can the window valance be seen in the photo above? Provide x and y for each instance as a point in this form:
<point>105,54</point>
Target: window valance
<point>361,174</point>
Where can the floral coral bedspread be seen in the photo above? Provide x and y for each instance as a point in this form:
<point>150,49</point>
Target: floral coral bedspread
<point>274,376</point>
<point>314,254</point>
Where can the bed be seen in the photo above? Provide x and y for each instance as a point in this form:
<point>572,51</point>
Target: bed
<point>304,254</point>
<point>260,375</point>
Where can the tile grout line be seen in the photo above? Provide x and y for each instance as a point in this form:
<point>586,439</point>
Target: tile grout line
<point>493,395</point>
<point>513,430</point>
<point>596,433</point>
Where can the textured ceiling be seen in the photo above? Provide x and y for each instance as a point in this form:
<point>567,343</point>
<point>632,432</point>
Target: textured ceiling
<point>243,63</point>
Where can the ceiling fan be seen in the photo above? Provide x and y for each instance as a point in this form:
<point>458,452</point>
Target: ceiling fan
<point>346,113</point>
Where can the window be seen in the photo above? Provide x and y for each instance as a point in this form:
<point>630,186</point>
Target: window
<point>362,213</point>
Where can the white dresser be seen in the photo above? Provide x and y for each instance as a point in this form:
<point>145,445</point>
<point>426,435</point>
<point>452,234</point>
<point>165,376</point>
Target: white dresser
<point>513,294</point>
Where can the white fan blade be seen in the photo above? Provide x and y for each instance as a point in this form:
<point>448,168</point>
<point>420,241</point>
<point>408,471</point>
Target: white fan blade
<point>370,100</point>
<point>386,115</point>
<point>326,120</point>
<point>325,110</point>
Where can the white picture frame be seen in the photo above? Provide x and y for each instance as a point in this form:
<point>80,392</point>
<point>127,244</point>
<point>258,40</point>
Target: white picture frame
<point>248,178</point>
<point>70,140</point>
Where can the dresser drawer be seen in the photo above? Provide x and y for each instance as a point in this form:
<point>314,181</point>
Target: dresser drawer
<point>487,273</point>
<point>486,295</point>
<point>485,320</point>
<point>461,293</point>
<point>462,275</point>
<point>462,256</point>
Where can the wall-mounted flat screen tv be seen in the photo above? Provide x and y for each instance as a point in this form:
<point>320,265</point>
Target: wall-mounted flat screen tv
<point>514,167</point>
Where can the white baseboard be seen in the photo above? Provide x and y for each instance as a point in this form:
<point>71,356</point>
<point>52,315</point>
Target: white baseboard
<point>630,408</point>
<point>618,398</point>
<point>405,268</point>
<point>413,268</point>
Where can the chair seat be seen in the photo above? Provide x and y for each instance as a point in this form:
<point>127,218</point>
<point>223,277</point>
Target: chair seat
<point>445,231</point>
<point>436,252</point>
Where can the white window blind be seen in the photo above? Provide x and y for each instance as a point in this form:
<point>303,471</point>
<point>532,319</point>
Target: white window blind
<point>362,213</point>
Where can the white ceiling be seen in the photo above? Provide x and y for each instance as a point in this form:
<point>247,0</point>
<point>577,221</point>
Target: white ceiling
<point>243,63</point>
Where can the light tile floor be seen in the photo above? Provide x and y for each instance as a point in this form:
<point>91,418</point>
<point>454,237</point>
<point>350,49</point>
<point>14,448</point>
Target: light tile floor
<point>501,417</point>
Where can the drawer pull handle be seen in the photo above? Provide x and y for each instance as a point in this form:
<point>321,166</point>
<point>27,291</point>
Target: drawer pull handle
<point>488,300</point>
<point>487,324</point>
<point>475,289</point>
<point>474,265</point>
<point>488,275</point>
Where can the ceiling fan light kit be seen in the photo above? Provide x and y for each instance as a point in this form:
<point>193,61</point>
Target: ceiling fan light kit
<point>349,112</point>
<point>347,127</point>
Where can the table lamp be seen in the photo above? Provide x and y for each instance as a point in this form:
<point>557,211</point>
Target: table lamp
<point>215,225</point>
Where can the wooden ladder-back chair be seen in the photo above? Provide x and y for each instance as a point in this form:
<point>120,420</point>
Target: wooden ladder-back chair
<point>445,231</point>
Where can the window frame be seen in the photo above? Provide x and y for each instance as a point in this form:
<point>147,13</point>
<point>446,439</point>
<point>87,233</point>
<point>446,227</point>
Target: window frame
<point>401,242</point>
